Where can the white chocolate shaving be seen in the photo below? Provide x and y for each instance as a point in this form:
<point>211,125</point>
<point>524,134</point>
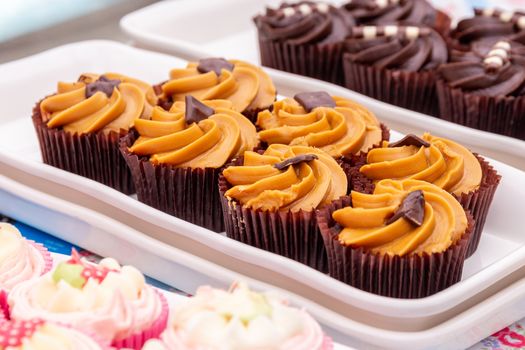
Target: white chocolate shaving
<point>493,60</point>
<point>322,7</point>
<point>521,22</point>
<point>506,16</point>
<point>305,9</point>
<point>391,30</point>
<point>502,45</point>
<point>382,3</point>
<point>288,11</point>
<point>369,32</point>
<point>412,32</point>
<point>488,12</point>
<point>498,52</point>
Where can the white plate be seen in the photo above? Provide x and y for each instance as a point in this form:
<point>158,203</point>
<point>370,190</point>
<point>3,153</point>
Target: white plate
<point>176,27</point>
<point>362,316</point>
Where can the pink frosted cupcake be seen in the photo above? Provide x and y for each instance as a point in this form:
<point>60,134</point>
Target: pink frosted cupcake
<point>20,260</point>
<point>39,334</point>
<point>239,319</point>
<point>107,299</point>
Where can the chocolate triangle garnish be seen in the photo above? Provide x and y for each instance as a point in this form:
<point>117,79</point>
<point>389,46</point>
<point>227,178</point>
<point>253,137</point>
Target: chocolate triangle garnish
<point>196,110</point>
<point>410,140</point>
<point>295,160</point>
<point>311,100</point>
<point>214,64</point>
<point>411,208</point>
<point>102,84</point>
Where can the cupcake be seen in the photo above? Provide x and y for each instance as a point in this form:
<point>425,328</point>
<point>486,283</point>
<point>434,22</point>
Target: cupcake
<point>446,164</point>
<point>79,126</point>
<point>270,199</point>
<point>304,38</point>
<point>105,299</point>
<point>246,86</point>
<point>489,23</point>
<point>395,64</point>
<point>408,239</point>
<point>240,319</point>
<point>381,12</point>
<point>484,88</point>
<point>333,124</point>
<point>176,157</point>
<point>39,334</point>
<point>20,260</point>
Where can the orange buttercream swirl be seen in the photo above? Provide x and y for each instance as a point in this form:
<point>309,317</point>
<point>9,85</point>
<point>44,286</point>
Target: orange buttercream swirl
<point>305,185</point>
<point>168,138</point>
<point>75,110</point>
<point>444,163</point>
<point>348,128</point>
<point>248,87</point>
<point>366,224</point>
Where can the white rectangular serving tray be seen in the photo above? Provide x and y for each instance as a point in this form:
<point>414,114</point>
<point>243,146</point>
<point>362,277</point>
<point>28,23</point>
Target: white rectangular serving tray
<point>177,27</point>
<point>174,251</point>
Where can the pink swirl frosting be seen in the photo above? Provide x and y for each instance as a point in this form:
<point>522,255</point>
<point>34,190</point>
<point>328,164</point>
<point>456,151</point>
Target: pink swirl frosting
<point>241,319</point>
<point>113,310</point>
<point>20,260</point>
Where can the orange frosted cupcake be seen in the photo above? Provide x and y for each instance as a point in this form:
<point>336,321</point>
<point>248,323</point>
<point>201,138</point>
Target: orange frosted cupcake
<point>176,157</point>
<point>407,239</point>
<point>79,126</point>
<point>270,200</point>
<point>440,161</point>
<point>333,124</point>
<point>246,86</point>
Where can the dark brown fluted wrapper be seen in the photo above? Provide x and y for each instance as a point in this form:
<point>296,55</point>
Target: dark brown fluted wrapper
<point>411,276</point>
<point>476,202</point>
<point>294,235</point>
<point>501,115</point>
<point>412,90</point>
<point>94,155</point>
<point>311,60</point>
<point>189,194</point>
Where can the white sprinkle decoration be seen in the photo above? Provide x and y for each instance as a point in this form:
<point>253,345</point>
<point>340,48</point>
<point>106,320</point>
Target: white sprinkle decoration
<point>521,22</point>
<point>498,52</point>
<point>322,7</point>
<point>382,3</point>
<point>502,45</point>
<point>506,16</point>
<point>412,32</point>
<point>288,11</point>
<point>369,32</point>
<point>305,9</point>
<point>494,60</point>
<point>488,12</point>
<point>391,30</point>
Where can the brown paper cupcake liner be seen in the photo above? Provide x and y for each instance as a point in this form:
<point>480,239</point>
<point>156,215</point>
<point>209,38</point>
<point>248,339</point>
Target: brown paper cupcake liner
<point>189,194</point>
<point>477,202</point>
<point>311,60</point>
<point>94,155</point>
<point>294,235</point>
<point>412,90</point>
<point>410,276</point>
<point>501,115</point>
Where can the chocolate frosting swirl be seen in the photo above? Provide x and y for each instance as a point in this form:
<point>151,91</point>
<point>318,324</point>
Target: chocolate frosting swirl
<point>309,179</point>
<point>491,23</point>
<point>377,12</point>
<point>371,222</point>
<point>170,138</point>
<point>348,128</point>
<point>490,68</point>
<point>305,22</point>
<point>406,48</point>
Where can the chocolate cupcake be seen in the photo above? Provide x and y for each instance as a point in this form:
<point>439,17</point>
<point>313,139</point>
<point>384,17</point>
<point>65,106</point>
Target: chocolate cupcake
<point>304,38</point>
<point>489,23</point>
<point>248,87</point>
<point>442,162</point>
<point>79,126</point>
<point>484,88</point>
<point>176,157</point>
<point>381,12</point>
<point>270,199</point>
<point>408,239</point>
<point>336,125</point>
<point>395,64</point>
